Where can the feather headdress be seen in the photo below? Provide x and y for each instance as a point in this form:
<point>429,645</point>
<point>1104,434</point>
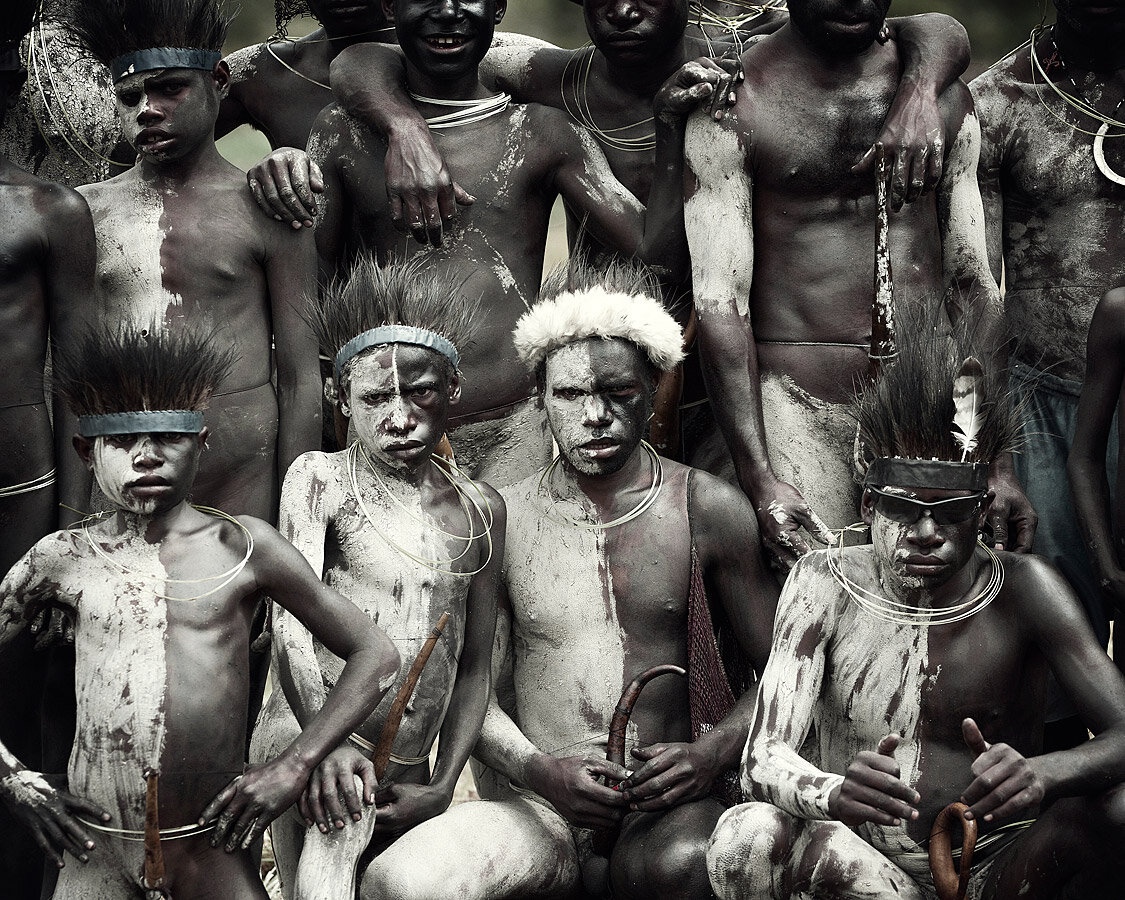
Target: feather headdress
<point>937,401</point>
<point>580,301</point>
<point>135,367</point>
<point>405,294</point>
<point>115,32</point>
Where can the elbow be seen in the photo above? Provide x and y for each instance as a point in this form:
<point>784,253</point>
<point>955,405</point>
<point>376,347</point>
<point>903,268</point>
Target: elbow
<point>389,661</point>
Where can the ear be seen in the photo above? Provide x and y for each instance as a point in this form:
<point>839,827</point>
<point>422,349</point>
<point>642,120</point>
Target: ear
<point>501,8</point>
<point>342,402</point>
<point>85,449</point>
<point>201,438</point>
<point>867,506</point>
<point>221,75</point>
<point>454,389</point>
<point>389,11</point>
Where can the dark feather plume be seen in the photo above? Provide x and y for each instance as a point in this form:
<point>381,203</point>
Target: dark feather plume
<point>133,367</point>
<point>909,411</point>
<point>111,28</point>
<point>399,294</point>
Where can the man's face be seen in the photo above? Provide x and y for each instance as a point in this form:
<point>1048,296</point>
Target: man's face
<point>167,113</point>
<point>598,397</point>
<point>923,543</point>
<point>445,39</point>
<point>1097,20</point>
<point>345,17</point>
<point>398,398</point>
<point>635,32</point>
<point>143,473</point>
<point>841,27</point>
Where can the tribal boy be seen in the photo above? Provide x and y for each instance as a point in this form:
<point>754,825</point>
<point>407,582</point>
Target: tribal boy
<point>1091,472</point>
<point>516,159</point>
<point>47,253</point>
<point>615,562</point>
<point>406,538</point>
<point>1054,203</point>
<point>919,662</point>
<point>162,593</point>
<point>785,299</point>
<point>181,241</point>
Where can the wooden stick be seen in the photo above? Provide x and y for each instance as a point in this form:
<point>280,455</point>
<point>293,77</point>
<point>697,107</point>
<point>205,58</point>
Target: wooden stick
<point>381,757</point>
<point>882,347</point>
<point>154,855</point>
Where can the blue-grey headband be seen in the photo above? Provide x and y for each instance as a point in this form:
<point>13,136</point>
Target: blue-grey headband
<point>145,421</point>
<point>162,58</point>
<point>927,473</point>
<point>395,334</point>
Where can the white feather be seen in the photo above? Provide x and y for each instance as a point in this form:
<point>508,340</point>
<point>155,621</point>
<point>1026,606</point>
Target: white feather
<point>968,412</point>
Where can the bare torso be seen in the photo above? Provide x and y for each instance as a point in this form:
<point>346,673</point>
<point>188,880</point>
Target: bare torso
<point>1061,228</point>
<point>591,610</point>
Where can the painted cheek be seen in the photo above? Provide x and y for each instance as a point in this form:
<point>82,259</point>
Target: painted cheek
<point>113,466</point>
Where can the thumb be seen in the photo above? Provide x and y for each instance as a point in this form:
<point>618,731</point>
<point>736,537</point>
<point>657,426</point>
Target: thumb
<point>866,162</point>
<point>316,178</point>
<point>888,744</point>
<point>647,753</point>
<point>463,197</point>
<point>973,737</point>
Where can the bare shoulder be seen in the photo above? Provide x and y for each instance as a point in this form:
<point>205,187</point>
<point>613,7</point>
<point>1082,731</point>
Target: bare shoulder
<point>246,64</point>
<point>315,478</point>
<point>526,65</point>
<point>1038,594</point>
<point>335,131</point>
<point>719,511</point>
<point>1007,81</point>
<point>1110,314</point>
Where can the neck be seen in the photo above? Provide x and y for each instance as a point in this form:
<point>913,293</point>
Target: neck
<point>840,64</point>
<point>1086,54</point>
<point>646,79</point>
<point>177,172</point>
<point>603,490</point>
<point>340,37</point>
<point>153,527</point>
<point>466,87</point>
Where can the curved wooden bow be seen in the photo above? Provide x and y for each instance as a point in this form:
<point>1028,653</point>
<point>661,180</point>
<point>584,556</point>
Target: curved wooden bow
<point>951,885</point>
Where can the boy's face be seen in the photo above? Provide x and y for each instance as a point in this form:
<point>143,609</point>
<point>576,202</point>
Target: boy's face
<point>398,398</point>
<point>635,32</point>
<point>841,27</point>
<point>167,113</point>
<point>348,16</point>
<point>598,397</point>
<point>143,473</point>
<point>445,39</point>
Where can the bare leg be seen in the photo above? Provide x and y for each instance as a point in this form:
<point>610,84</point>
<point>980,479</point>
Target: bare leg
<point>327,870</point>
<point>664,855</point>
<point>759,851</point>
<point>1072,850</point>
<point>275,730</point>
<point>487,849</point>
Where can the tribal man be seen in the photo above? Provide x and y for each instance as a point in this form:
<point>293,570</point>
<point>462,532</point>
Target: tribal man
<point>616,561</point>
<point>47,248</point>
<point>409,540</point>
<point>785,298</point>
<point>516,159</point>
<point>163,594</point>
<point>917,665</point>
<point>180,240</point>
<point>1054,190</point>
<point>1091,473</point>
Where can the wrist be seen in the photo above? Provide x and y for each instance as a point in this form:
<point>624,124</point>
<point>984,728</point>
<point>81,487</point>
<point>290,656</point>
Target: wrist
<point>536,771</point>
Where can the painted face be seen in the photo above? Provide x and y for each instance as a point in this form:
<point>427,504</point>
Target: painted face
<point>1098,20</point>
<point>445,39</point>
<point>911,545</point>
<point>839,26</point>
<point>348,16</point>
<point>398,398</point>
<point>598,397</point>
<point>635,32</point>
<point>167,113</point>
<point>146,473</point>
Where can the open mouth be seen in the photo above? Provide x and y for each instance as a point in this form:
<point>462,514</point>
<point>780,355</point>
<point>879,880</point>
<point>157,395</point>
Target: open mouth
<point>445,42</point>
<point>599,449</point>
<point>153,141</point>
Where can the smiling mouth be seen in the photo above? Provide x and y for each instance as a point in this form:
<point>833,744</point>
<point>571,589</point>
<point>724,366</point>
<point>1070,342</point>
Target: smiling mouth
<point>446,41</point>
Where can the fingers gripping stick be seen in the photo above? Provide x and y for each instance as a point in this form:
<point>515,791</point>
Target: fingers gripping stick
<point>153,875</point>
<point>615,748</point>
<point>951,885</point>
<point>381,757</point>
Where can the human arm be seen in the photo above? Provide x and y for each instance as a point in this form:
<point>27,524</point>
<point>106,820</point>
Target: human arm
<point>249,803</point>
<point>333,214</point>
<point>569,783</point>
<point>68,270</point>
<point>402,806</point>
<point>729,552</point>
<point>290,279</point>
<point>1103,392</point>
<point>934,51</point>
<point>1004,783</point>
<point>718,192</point>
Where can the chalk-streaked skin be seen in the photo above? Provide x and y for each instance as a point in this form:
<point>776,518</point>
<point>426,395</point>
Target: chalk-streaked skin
<point>1052,218</point>
<point>180,240</point>
<point>857,679</point>
<point>789,270</point>
<point>146,639</point>
<point>398,398</point>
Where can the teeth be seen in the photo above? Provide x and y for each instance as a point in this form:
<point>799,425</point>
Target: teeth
<point>447,41</point>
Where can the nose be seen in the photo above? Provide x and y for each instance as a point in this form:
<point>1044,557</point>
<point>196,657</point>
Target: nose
<point>924,532</point>
<point>448,9</point>
<point>595,410</point>
<point>401,418</point>
<point>623,13</point>
<point>146,455</point>
<point>150,112</point>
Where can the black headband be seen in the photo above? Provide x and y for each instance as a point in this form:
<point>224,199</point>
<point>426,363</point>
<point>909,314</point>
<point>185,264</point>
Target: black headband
<point>940,474</point>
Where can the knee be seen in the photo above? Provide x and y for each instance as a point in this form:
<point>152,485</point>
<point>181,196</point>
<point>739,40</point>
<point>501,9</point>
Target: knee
<point>748,845</point>
<point>1109,822</point>
<point>677,868</point>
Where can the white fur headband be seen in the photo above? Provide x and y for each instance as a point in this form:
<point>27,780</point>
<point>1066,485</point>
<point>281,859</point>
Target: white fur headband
<point>576,316</point>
